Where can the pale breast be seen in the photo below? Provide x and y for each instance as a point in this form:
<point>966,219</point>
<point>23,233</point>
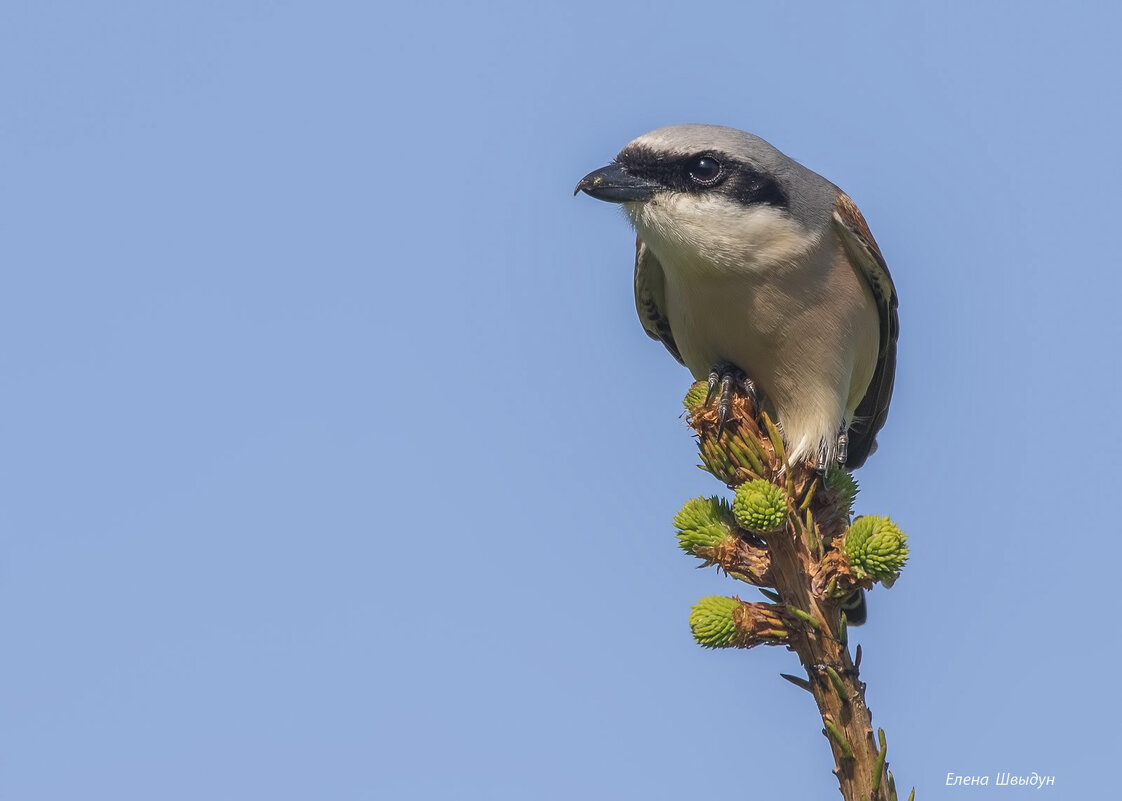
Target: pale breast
<point>806,333</point>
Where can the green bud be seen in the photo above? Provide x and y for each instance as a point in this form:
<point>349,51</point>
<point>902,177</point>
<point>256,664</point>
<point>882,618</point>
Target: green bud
<point>876,548</point>
<point>717,460</point>
<point>760,507</point>
<point>844,487</point>
<point>696,396</point>
<point>712,623</point>
<point>703,524</point>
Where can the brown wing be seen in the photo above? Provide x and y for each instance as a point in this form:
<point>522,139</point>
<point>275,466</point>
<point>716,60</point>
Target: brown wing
<point>866,256</point>
<point>650,298</point>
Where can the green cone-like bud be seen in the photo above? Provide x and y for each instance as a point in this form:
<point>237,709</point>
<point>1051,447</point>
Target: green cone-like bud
<point>712,623</point>
<point>696,396</point>
<point>760,507</point>
<point>876,548</point>
<point>716,461</point>
<point>703,524</point>
<point>844,487</point>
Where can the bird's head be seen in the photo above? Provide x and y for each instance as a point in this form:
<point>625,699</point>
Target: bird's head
<point>715,195</point>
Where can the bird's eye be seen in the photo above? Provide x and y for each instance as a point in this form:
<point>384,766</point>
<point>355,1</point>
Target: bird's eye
<point>704,170</point>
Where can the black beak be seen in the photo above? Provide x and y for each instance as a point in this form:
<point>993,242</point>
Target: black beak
<point>616,185</point>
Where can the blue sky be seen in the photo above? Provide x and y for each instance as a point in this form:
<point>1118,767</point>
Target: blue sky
<point>336,464</point>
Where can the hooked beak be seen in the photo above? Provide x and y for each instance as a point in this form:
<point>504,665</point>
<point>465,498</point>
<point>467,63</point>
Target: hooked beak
<point>616,185</point>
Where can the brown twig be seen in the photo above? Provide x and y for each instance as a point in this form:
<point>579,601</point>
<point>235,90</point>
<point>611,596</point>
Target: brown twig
<point>811,577</point>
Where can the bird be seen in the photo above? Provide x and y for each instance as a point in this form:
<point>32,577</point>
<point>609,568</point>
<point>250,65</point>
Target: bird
<point>753,270</point>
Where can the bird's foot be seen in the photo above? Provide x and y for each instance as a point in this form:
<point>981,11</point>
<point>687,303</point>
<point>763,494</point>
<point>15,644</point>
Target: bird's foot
<point>726,376</point>
<point>841,453</point>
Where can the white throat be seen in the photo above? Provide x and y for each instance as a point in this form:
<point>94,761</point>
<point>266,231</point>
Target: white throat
<point>714,233</point>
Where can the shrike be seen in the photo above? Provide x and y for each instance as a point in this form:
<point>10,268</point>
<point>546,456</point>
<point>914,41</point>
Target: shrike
<point>750,267</point>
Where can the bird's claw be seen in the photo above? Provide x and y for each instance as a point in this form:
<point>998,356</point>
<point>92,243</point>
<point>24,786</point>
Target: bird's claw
<point>841,453</point>
<point>714,378</point>
<point>726,376</point>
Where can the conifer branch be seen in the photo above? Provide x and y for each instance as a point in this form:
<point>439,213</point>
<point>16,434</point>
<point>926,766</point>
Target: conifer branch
<point>788,531</point>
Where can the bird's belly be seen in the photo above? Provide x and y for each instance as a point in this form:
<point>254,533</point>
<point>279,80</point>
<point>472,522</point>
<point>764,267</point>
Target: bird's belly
<point>717,321</point>
<point>799,345</point>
